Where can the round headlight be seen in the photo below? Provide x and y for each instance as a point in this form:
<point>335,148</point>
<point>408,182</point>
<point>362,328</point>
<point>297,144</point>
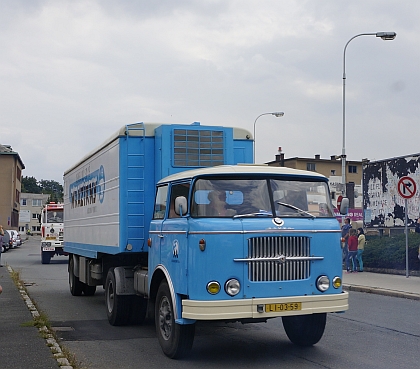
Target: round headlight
<point>213,287</point>
<point>323,283</point>
<point>232,287</point>
<point>336,282</point>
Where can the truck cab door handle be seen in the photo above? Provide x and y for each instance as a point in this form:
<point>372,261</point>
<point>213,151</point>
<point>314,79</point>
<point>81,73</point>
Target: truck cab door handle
<point>161,236</point>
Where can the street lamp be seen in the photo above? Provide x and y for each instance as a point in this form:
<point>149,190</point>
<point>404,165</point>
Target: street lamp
<point>276,114</point>
<point>383,36</point>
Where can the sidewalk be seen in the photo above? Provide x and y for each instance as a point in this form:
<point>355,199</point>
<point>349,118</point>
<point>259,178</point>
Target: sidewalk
<point>21,345</point>
<point>383,284</point>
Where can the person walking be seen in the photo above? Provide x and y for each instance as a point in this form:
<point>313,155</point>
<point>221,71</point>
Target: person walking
<point>1,242</point>
<point>352,253</point>
<point>361,240</point>
<point>344,237</point>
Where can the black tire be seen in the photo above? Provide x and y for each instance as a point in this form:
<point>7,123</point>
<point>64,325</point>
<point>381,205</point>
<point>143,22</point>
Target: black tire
<point>45,257</point>
<point>88,290</point>
<point>176,340</point>
<point>76,287</point>
<point>138,310</point>
<point>117,307</point>
<point>305,330</point>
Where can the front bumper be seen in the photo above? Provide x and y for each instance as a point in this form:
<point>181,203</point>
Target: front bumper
<point>253,308</point>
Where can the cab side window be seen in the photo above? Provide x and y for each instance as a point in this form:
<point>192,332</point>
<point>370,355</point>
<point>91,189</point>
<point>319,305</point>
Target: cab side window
<point>160,202</point>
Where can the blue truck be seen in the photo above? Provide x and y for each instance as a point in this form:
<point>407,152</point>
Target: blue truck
<point>175,221</point>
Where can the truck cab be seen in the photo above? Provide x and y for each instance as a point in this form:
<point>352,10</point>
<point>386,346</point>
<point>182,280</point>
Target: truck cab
<point>245,243</point>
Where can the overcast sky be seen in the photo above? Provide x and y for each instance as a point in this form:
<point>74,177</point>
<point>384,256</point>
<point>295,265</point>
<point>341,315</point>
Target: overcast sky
<point>73,72</point>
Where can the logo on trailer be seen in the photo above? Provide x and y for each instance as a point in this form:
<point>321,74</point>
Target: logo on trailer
<point>88,189</point>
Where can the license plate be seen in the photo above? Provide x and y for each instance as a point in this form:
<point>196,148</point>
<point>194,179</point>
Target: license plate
<point>290,306</point>
<point>48,249</point>
<point>50,238</point>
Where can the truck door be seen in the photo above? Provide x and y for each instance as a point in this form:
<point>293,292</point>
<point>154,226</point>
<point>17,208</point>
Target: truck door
<point>174,241</point>
<point>155,231</point>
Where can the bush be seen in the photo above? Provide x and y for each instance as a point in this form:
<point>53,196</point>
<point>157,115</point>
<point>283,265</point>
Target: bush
<point>389,252</point>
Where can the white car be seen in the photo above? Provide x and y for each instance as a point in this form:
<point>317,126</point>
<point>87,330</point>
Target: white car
<point>14,238</point>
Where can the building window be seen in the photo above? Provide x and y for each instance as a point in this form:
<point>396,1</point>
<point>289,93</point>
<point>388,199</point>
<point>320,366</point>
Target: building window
<point>352,168</point>
<point>34,216</point>
<point>23,202</point>
<point>333,195</point>
<point>36,202</point>
<point>333,172</point>
<point>310,166</point>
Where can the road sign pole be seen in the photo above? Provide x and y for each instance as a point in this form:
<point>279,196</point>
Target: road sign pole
<point>406,239</point>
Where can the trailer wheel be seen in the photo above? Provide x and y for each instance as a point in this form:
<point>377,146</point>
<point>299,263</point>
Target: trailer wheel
<point>305,330</point>
<point>45,257</point>
<point>117,306</point>
<point>176,340</point>
<point>76,287</point>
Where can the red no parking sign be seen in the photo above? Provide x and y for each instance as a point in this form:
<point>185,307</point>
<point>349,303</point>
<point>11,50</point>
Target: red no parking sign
<point>407,187</point>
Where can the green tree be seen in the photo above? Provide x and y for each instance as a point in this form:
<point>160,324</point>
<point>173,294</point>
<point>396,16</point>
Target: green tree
<point>30,185</point>
<point>53,188</point>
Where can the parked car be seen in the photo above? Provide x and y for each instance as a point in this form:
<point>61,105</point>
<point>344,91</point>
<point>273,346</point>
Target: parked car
<point>6,242</point>
<point>14,238</point>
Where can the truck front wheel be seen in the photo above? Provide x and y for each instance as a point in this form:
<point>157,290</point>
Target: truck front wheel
<point>175,339</point>
<point>118,307</point>
<point>76,287</point>
<point>305,330</point>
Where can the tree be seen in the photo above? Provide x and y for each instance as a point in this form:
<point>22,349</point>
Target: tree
<point>30,185</point>
<point>53,188</point>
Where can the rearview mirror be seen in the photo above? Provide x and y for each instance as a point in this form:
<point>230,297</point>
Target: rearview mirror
<point>181,206</point>
<point>344,206</point>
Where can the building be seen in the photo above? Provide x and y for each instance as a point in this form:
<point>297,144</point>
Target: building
<point>31,205</point>
<point>332,169</point>
<point>11,167</point>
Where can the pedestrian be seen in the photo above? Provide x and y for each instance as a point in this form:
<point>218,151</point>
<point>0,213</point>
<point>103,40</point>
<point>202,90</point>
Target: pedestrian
<point>417,229</point>
<point>1,242</point>
<point>352,252</point>
<point>361,239</point>
<point>344,237</point>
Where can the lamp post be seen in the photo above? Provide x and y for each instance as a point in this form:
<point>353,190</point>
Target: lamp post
<point>276,114</point>
<point>383,36</point>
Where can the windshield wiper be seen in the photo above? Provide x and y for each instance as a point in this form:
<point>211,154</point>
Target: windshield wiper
<point>300,211</point>
<point>256,214</point>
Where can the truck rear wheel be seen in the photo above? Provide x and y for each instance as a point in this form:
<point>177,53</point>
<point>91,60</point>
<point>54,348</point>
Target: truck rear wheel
<point>305,330</point>
<point>176,340</point>
<point>76,287</point>
<point>117,306</point>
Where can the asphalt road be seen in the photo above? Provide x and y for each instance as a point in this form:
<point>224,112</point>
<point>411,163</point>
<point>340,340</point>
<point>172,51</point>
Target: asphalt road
<point>377,331</point>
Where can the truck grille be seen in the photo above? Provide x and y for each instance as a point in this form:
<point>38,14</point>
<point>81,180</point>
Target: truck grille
<point>266,247</point>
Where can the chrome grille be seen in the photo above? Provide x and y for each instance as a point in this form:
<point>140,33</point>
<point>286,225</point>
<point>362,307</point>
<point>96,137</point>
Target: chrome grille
<point>265,247</point>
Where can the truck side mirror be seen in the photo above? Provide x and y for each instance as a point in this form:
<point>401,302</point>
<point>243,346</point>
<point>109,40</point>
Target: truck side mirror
<point>344,206</point>
<point>181,205</point>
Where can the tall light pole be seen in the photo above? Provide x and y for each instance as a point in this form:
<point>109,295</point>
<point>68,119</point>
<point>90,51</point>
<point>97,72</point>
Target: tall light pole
<point>276,114</point>
<point>383,36</point>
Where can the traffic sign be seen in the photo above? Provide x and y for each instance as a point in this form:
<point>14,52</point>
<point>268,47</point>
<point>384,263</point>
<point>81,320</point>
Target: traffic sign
<point>407,187</point>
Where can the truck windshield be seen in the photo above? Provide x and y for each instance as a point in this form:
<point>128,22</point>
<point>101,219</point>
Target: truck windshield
<point>55,216</point>
<point>272,197</point>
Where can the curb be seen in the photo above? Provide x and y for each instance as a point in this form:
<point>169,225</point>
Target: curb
<point>51,342</point>
<point>382,291</point>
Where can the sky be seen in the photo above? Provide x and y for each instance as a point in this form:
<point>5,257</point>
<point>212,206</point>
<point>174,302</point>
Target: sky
<point>73,72</point>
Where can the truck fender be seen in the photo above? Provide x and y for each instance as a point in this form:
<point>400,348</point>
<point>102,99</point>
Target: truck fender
<point>124,279</point>
<point>75,265</point>
<point>176,302</point>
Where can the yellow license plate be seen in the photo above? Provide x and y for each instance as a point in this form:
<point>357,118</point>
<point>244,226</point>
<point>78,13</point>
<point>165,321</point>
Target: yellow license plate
<point>50,238</point>
<point>290,306</point>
